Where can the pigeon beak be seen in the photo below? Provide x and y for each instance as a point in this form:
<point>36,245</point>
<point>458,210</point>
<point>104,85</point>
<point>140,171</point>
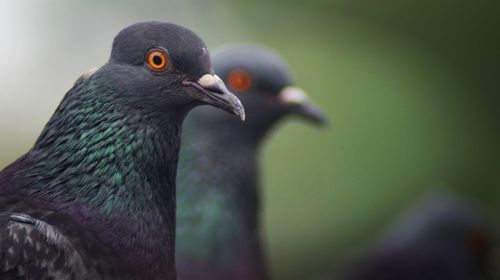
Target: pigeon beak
<point>298,103</point>
<point>216,93</point>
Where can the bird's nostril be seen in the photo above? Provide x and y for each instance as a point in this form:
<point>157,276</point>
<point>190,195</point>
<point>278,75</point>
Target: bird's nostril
<point>215,89</point>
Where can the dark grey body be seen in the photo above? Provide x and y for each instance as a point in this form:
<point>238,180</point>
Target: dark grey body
<point>94,198</point>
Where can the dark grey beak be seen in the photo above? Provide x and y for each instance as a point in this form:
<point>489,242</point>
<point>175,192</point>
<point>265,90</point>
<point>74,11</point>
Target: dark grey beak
<point>298,103</point>
<point>216,93</point>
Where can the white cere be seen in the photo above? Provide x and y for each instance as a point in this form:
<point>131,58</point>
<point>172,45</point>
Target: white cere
<point>207,80</point>
<point>293,95</point>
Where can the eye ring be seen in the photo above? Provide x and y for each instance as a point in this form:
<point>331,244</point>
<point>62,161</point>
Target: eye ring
<point>157,59</point>
<point>239,80</point>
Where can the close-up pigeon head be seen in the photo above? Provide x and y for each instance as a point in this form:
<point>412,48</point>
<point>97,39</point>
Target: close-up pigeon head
<point>156,65</point>
<point>107,158</point>
<point>262,81</point>
<point>249,139</point>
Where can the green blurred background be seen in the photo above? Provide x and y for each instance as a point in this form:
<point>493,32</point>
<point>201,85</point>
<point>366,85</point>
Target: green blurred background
<point>410,87</point>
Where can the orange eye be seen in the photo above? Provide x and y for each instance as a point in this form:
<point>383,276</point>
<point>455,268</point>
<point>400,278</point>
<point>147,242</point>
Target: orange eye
<point>239,80</point>
<point>157,59</point>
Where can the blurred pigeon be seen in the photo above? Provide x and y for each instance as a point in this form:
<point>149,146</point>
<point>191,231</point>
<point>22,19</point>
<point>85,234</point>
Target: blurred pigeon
<point>441,238</point>
<point>218,194</point>
<point>95,196</point>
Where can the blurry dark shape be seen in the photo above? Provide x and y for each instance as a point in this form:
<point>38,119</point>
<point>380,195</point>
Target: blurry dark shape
<point>443,237</point>
<point>218,214</point>
<point>95,196</point>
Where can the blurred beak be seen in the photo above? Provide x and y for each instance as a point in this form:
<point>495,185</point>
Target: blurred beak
<point>298,103</point>
<point>216,93</point>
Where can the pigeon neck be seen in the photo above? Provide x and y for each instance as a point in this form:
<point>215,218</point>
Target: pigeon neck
<point>218,188</point>
<point>218,128</point>
<point>113,172</point>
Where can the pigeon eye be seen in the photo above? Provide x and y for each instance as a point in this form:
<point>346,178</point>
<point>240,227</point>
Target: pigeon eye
<point>239,80</point>
<point>157,59</point>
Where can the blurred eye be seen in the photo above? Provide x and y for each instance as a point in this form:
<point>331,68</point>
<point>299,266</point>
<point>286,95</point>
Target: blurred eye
<point>157,59</point>
<point>476,243</point>
<point>239,80</point>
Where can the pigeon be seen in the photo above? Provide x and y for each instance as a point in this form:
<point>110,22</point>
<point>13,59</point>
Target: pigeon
<point>94,198</point>
<point>218,193</point>
<point>443,237</point>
